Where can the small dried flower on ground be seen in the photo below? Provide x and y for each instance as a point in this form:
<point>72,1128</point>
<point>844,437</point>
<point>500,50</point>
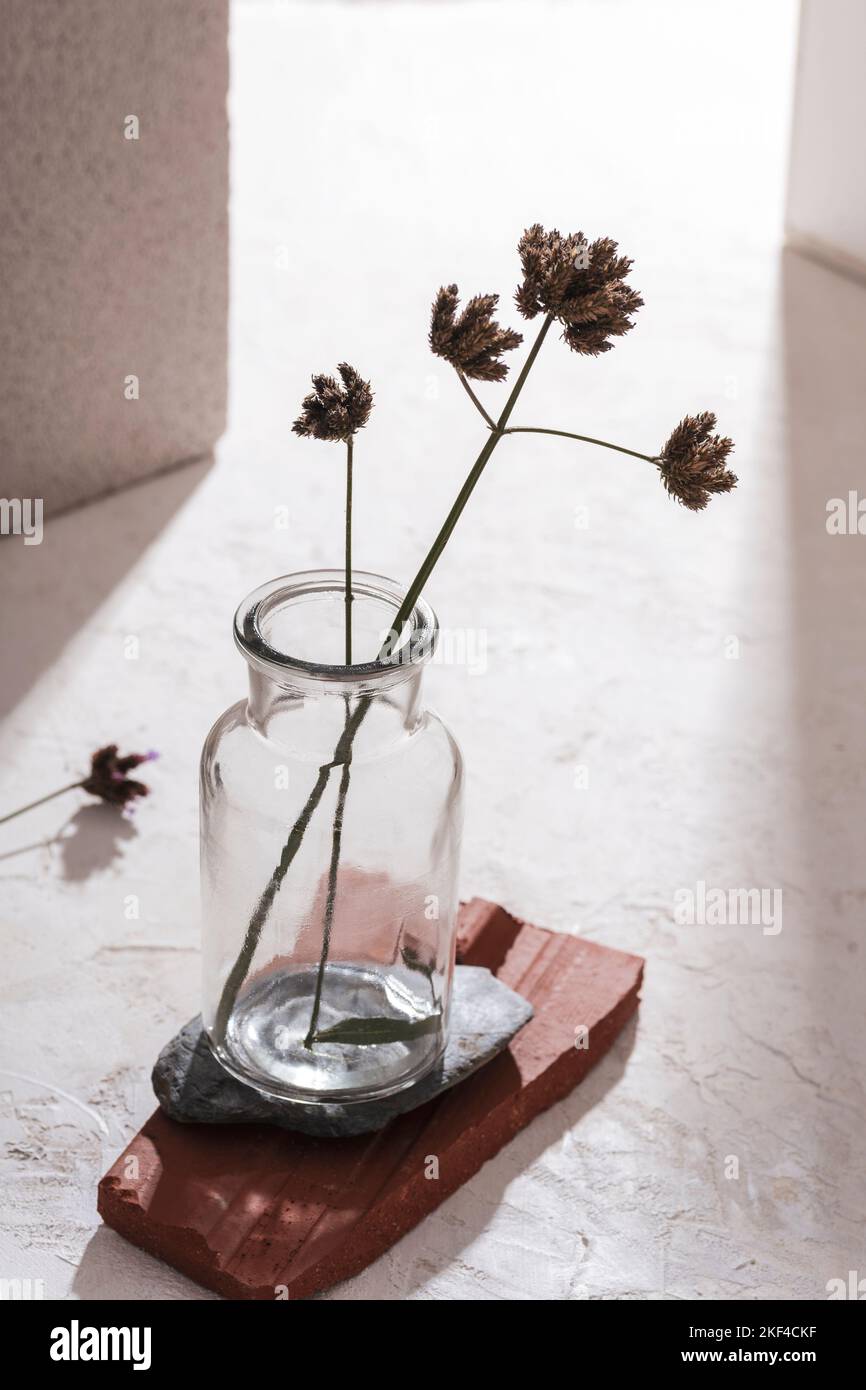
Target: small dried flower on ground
<point>108,776</point>
<point>692,462</point>
<point>473,342</point>
<point>332,411</point>
<point>107,779</point>
<point>579,283</point>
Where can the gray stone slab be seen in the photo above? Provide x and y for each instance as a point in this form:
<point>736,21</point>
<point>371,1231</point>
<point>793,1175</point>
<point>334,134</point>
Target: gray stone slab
<point>192,1087</point>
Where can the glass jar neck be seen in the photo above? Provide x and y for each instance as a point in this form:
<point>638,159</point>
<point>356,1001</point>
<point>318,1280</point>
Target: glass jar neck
<point>292,633</point>
<point>311,726</point>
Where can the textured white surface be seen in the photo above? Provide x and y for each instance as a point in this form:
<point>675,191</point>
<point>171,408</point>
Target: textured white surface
<point>377,152</point>
<point>114,250</point>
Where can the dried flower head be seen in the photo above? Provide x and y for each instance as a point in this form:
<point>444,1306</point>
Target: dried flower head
<point>473,342</point>
<point>581,284</point>
<point>692,462</point>
<point>332,411</point>
<point>108,776</point>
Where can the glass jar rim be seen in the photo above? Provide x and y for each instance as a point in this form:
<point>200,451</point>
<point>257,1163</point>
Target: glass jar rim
<point>419,638</point>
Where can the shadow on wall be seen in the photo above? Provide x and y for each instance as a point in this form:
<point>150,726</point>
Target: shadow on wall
<point>50,590</point>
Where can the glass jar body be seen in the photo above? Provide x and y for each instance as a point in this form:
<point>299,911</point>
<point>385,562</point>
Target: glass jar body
<point>329,932</point>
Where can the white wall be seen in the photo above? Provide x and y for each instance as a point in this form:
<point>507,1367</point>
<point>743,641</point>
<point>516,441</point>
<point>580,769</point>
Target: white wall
<point>827,193</point>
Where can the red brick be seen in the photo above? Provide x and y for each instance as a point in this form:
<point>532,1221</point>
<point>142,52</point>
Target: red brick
<point>245,1208</point>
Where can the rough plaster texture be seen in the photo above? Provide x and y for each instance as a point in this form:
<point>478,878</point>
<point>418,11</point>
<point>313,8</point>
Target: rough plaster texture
<point>114,251</point>
<point>604,647</point>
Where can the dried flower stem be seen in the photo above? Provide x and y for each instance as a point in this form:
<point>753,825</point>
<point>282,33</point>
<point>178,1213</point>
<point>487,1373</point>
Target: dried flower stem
<point>238,972</point>
<point>330,901</point>
<point>349,447</point>
<point>475,401</point>
<point>31,805</point>
<point>414,591</point>
<point>584,438</point>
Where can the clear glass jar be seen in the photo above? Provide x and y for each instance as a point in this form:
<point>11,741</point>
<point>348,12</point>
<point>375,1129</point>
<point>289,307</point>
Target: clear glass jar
<point>331,816</point>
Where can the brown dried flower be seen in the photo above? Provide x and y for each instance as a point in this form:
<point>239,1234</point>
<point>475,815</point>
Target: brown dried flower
<point>332,411</point>
<point>692,462</point>
<point>581,284</point>
<point>108,776</point>
<point>474,342</point>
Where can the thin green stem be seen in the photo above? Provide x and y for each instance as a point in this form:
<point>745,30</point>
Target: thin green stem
<point>331,898</point>
<point>475,401</point>
<point>337,829</point>
<point>439,544</point>
<point>240,969</point>
<point>584,438</point>
<point>31,805</point>
<point>349,446</point>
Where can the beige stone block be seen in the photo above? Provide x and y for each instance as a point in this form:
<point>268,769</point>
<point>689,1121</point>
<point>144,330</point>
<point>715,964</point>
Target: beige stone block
<point>113,241</point>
